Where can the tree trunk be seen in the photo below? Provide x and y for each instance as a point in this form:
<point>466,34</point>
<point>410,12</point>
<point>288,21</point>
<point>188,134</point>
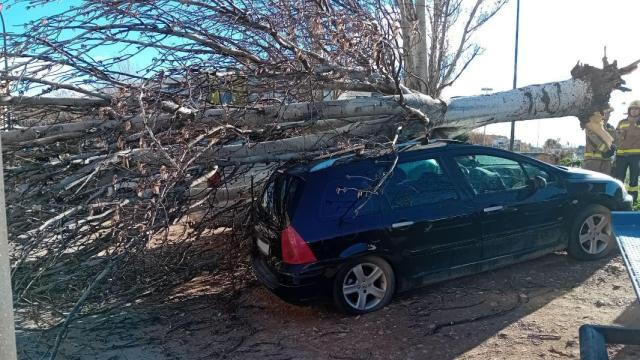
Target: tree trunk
<point>308,112</point>
<point>413,24</point>
<point>574,97</point>
<point>552,100</point>
<point>558,99</point>
<point>52,101</point>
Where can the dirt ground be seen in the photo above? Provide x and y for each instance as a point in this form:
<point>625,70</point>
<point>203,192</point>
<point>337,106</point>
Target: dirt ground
<point>526,311</point>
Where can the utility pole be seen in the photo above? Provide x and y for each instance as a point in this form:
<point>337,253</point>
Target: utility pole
<point>515,72</point>
<point>7,331</point>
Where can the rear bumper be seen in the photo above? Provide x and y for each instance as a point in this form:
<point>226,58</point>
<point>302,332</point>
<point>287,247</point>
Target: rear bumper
<point>295,288</point>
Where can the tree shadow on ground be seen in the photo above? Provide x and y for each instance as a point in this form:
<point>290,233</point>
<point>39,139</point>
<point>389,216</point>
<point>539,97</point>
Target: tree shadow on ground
<point>443,321</point>
<point>447,320</point>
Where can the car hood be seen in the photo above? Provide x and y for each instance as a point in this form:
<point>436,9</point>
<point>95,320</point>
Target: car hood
<point>577,173</point>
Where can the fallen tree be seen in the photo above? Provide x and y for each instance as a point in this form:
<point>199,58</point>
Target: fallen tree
<point>83,192</point>
<point>111,196</point>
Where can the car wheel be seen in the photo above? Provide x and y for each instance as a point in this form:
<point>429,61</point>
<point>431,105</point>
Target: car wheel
<point>364,285</point>
<point>591,236</point>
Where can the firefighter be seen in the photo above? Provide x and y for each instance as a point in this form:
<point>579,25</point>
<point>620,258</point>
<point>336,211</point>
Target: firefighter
<point>598,148</point>
<point>628,154</point>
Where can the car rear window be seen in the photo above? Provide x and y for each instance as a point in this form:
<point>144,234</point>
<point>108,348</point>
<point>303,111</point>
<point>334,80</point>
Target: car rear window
<point>280,197</point>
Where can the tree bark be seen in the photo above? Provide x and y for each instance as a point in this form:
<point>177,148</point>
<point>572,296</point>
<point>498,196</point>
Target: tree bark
<point>413,25</point>
<point>52,101</point>
<point>552,100</point>
<point>308,112</point>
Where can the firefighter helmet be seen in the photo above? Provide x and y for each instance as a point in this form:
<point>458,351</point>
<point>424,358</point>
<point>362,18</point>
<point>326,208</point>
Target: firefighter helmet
<point>634,104</point>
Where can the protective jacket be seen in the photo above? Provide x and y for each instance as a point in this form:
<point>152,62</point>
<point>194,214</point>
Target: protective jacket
<point>595,148</point>
<point>628,137</point>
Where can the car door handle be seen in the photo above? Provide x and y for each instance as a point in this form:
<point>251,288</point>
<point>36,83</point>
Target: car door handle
<point>401,225</point>
<point>493,208</point>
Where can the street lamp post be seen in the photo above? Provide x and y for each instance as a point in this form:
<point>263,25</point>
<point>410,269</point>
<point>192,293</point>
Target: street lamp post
<point>4,41</point>
<point>485,90</point>
<point>5,54</point>
<point>515,72</point>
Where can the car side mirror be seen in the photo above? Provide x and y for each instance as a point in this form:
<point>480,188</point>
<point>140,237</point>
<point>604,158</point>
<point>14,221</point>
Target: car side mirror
<point>539,182</point>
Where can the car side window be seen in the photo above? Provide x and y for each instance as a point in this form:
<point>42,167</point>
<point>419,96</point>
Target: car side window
<point>533,171</point>
<point>348,194</point>
<point>489,174</point>
<point>418,183</point>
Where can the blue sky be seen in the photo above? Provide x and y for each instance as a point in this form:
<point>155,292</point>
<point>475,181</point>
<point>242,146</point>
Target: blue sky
<point>15,15</point>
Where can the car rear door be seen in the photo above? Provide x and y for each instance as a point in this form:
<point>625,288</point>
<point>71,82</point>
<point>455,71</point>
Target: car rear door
<point>429,222</point>
<point>515,216</point>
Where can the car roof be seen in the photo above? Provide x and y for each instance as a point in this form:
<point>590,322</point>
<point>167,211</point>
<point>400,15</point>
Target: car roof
<point>403,148</point>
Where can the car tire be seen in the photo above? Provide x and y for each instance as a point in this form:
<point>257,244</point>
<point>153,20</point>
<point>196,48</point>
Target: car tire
<point>364,285</point>
<point>591,235</point>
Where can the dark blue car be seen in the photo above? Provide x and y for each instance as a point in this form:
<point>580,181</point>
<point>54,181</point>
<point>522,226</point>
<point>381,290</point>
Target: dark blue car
<point>357,229</point>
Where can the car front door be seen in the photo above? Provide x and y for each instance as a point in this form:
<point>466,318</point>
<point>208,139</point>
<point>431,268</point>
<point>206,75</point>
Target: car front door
<point>516,215</point>
<point>545,207</point>
<point>429,222</point>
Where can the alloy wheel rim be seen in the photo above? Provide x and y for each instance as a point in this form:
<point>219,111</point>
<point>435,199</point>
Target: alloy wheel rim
<point>595,234</point>
<point>364,286</point>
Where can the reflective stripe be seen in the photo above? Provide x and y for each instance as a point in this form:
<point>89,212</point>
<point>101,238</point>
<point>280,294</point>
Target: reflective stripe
<point>628,151</point>
<point>632,188</point>
<point>602,147</point>
<point>626,125</point>
<point>592,155</point>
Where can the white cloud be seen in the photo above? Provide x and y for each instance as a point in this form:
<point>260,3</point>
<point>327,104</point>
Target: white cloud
<point>29,67</point>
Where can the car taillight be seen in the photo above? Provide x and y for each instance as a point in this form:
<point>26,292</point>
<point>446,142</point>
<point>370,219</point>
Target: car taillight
<point>295,250</point>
